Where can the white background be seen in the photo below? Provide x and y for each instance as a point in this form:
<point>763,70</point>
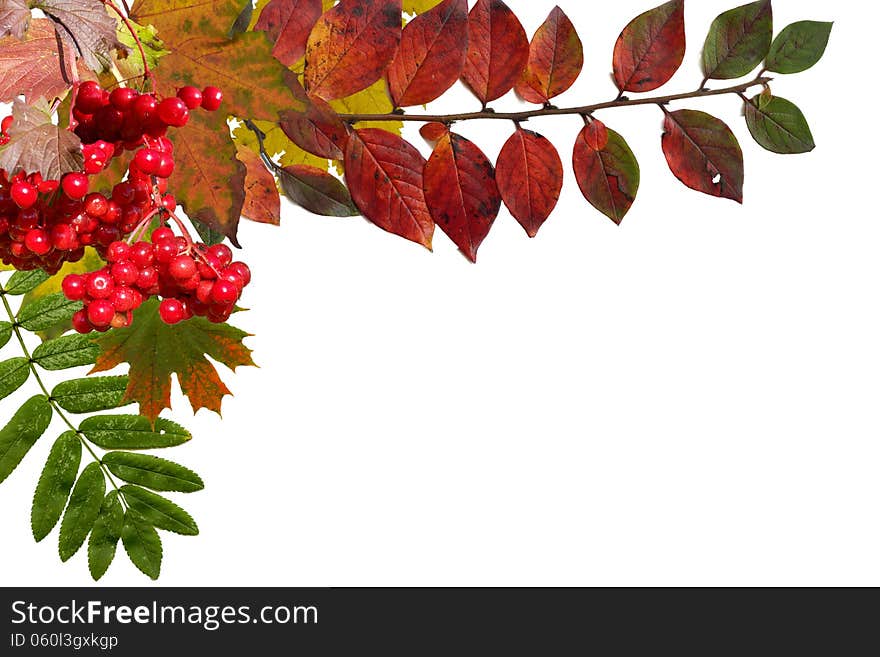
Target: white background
<point>690,399</point>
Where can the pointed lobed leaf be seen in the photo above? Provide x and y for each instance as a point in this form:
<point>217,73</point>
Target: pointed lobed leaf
<point>798,47</point>
<point>15,16</point>
<point>158,511</point>
<point>431,56</point>
<point>606,170</point>
<point>738,41</point>
<point>105,535</point>
<point>384,175</point>
<point>351,46</point>
<point>262,202</point>
<point>187,18</point>
<point>82,510</point>
<point>556,58</point>
<point>36,144</point>
<point>142,544</point>
<point>86,26</point>
<point>650,49</point>
<point>56,480</point>
<point>317,130</point>
<point>498,50</point>
<point>704,154</point>
<point>153,472</point>
<point>13,374</point>
<point>133,432</point>
<point>529,176</point>
<point>21,432</point>
<point>316,190</point>
<point>97,393</point>
<point>778,125</point>
<point>66,352</point>
<point>461,192</point>
<point>288,24</point>
<point>33,66</point>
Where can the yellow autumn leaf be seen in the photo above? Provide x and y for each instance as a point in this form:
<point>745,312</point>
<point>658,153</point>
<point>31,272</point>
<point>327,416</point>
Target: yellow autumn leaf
<point>372,100</point>
<point>276,143</point>
<point>419,6</point>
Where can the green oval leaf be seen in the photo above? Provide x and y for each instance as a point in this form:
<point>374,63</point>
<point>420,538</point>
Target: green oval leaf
<point>5,333</point>
<point>90,395</point>
<point>133,432</point>
<point>158,511</point>
<point>143,545</point>
<point>778,125</point>
<point>53,489</point>
<point>153,472</point>
<point>798,47</point>
<point>47,312</point>
<point>105,536</point>
<point>82,510</point>
<point>65,352</point>
<point>23,430</point>
<point>13,373</point>
<point>22,282</point>
<point>738,41</point>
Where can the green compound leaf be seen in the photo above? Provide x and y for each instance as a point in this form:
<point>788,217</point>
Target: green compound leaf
<point>47,312</point>
<point>133,432</point>
<point>153,472</point>
<point>5,333</point>
<point>158,511</point>
<point>23,430</point>
<point>53,489</point>
<point>13,373</point>
<point>798,47</point>
<point>105,536</point>
<point>66,352</point>
<point>142,544</point>
<point>778,125</point>
<point>82,511</point>
<point>738,41</point>
<point>100,393</point>
<point>22,282</point>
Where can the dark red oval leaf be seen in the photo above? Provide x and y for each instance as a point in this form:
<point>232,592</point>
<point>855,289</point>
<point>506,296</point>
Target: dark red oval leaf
<point>351,46</point>
<point>316,191</point>
<point>431,55</point>
<point>288,24</point>
<point>529,176</point>
<point>317,130</point>
<point>650,49</point>
<point>498,50</point>
<point>461,192</point>
<point>704,154</point>
<point>556,58</point>
<point>606,170</point>
<point>384,176</point>
<point>433,132</point>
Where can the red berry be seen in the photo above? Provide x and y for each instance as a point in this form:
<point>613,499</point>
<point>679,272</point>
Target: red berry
<point>171,311</point>
<point>75,185</point>
<point>191,96</point>
<point>89,97</point>
<point>222,253</point>
<point>81,323</point>
<point>232,276</point>
<point>203,291</point>
<point>141,254</point>
<point>99,284</point>
<point>123,97</point>
<point>211,98</point>
<point>224,292</point>
<point>147,160</point>
<point>24,195</point>
<point>100,313</point>
<point>144,108</point>
<point>125,299</point>
<point>165,166</point>
<point>6,123</point>
<point>242,270</point>
<point>37,241</point>
<point>182,267</point>
<point>95,205</point>
<point>169,203</point>
<point>173,112</point>
<point>63,237</point>
<point>161,234</point>
<point>124,273</point>
<point>166,251</point>
<point>147,278</point>
<point>117,252</point>
<point>74,287</point>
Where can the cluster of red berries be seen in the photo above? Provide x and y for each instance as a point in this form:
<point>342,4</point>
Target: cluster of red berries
<point>192,279</point>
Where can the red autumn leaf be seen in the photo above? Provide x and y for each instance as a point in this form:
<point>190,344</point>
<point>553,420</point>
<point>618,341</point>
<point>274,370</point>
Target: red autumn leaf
<point>262,203</point>
<point>288,24</point>
<point>461,192</point>
<point>433,132</point>
<point>498,50</point>
<point>556,58</point>
<point>316,190</point>
<point>351,46</point>
<point>15,15</point>
<point>32,66</point>
<point>431,55</point>
<point>317,130</point>
<point>384,176</point>
<point>650,49</point>
<point>606,170</point>
<point>529,176</point>
<point>704,154</point>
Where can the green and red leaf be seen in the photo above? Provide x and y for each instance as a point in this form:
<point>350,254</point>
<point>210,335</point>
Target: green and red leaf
<point>778,125</point>
<point>650,49</point>
<point>317,130</point>
<point>316,190</point>
<point>556,58</point>
<point>606,170</point>
<point>738,41</point>
<point>798,47</point>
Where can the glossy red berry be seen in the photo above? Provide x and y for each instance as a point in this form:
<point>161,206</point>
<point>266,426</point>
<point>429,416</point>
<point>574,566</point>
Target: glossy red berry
<point>222,253</point>
<point>124,273</point>
<point>122,98</point>
<point>211,98</point>
<point>191,96</point>
<point>171,311</point>
<point>63,237</point>
<point>81,323</point>
<point>99,285</point>
<point>100,313</point>
<point>147,160</point>
<point>23,194</point>
<point>147,278</point>
<point>224,292</point>
<point>75,185</point>
<point>173,112</point>
<point>74,287</point>
<point>161,234</point>
<point>141,254</point>
<point>37,241</point>
<point>125,299</point>
<point>165,166</point>
<point>182,267</point>
<point>242,270</point>
<point>89,97</point>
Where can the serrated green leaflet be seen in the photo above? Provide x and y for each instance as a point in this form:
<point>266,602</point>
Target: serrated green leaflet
<point>47,312</point>
<point>778,125</point>
<point>738,41</point>
<point>143,545</point>
<point>65,352</point>
<point>798,47</point>
<point>90,395</point>
<point>82,510</point>
<point>13,373</point>
<point>5,333</point>
<point>133,432</point>
<point>22,282</point>
<point>105,536</point>
<point>158,511</point>
<point>56,480</point>
<point>153,472</point>
<point>23,430</point>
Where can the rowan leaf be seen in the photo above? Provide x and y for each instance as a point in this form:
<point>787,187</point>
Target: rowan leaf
<point>15,16</point>
<point>606,170</point>
<point>22,282</point>
<point>37,145</point>
<point>47,312</point>
<point>105,535</point>
<point>152,472</point>
<point>650,49</point>
<point>133,432</point>
<point>461,192</point>
<point>432,53</point>
<point>498,50</point>
<point>13,375</point>
<point>86,25</point>
<point>82,510</point>
<point>262,202</point>
<point>65,352</point>
<point>90,395</point>
<point>22,432</point>
<point>158,511</point>
<point>33,66</point>
<point>5,333</point>
<point>177,20</point>
<point>384,175</point>
<point>56,480</point>
<point>316,190</point>
<point>704,154</point>
<point>738,41</point>
<point>154,351</point>
<point>142,544</point>
<point>529,176</point>
<point>351,46</point>
<point>288,24</point>
<point>556,58</point>
<point>778,125</point>
<point>798,47</point>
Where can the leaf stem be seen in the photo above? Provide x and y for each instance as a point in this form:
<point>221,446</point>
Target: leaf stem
<point>555,111</point>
